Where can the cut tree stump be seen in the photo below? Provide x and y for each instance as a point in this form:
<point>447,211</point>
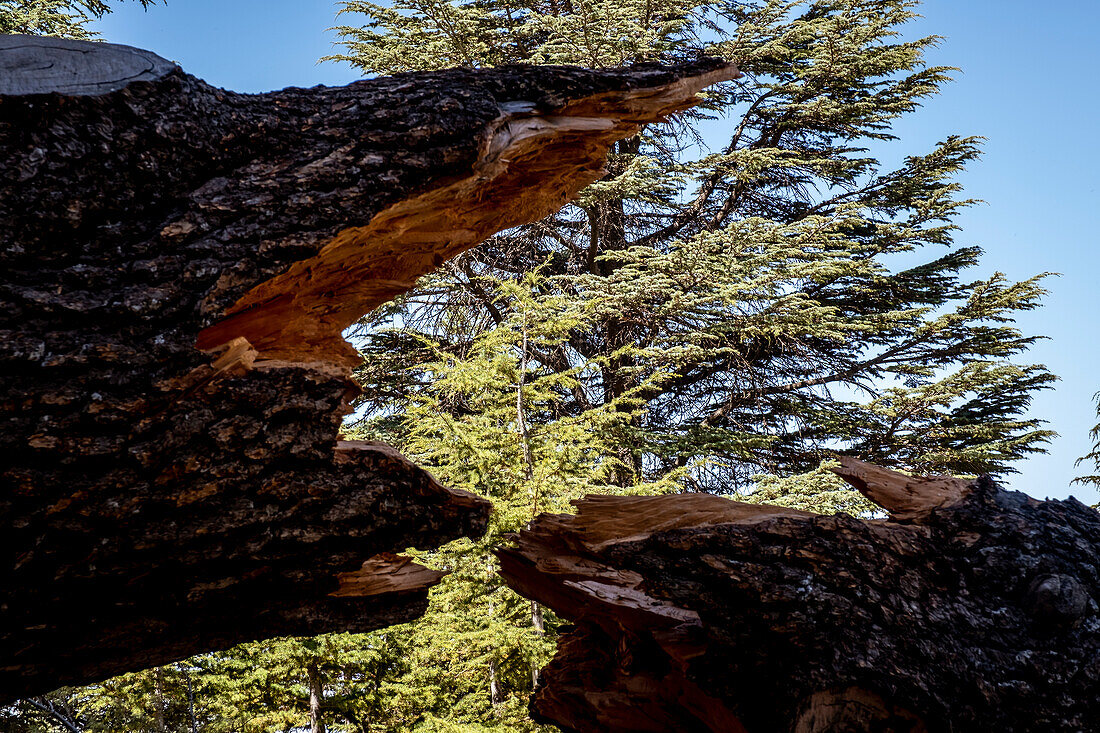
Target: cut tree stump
<point>970,609</point>
<point>178,264</point>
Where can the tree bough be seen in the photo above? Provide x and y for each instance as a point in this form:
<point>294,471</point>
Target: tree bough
<point>971,608</point>
<point>178,263</point>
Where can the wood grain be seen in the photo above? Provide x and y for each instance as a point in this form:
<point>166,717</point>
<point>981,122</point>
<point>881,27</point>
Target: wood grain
<point>32,65</point>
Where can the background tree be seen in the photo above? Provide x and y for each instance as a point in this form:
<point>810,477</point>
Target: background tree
<point>749,291</point>
<point>1092,456</point>
<point>64,18</point>
<point>754,266</point>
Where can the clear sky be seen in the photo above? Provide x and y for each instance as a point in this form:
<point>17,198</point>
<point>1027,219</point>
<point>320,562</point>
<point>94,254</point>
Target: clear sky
<point>1028,84</point>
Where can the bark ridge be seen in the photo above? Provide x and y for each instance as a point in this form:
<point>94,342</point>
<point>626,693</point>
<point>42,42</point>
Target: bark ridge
<point>970,608</point>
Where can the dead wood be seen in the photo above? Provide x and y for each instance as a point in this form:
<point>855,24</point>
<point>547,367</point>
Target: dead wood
<point>178,263</point>
<point>970,608</point>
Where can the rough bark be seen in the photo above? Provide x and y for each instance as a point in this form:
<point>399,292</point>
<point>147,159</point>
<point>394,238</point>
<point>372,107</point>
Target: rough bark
<point>177,263</point>
<point>970,609</point>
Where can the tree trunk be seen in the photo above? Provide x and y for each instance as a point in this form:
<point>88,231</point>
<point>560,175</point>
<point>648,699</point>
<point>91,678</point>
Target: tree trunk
<point>316,698</point>
<point>158,699</point>
<point>177,263</point>
<point>191,702</point>
<point>496,697</point>
<point>970,609</point>
<point>539,625</point>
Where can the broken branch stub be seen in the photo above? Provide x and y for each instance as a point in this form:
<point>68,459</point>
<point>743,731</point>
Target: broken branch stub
<point>178,263</point>
<point>976,610</point>
<point>905,497</point>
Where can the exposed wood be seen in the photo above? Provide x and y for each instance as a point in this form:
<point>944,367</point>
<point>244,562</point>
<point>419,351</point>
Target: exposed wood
<point>904,497</point>
<point>972,609</point>
<point>365,266</point>
<point>386,573</point>
<point>177,263</point>
<point>854,710</point>
<point>42,65</point>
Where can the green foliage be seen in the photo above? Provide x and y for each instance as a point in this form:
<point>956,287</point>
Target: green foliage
<point>820,491</point>
<point>491,419</point>
<point>750,295</point>
<point>252,688</point>
<point>431,34</point>
<point>1092,456</point>
<point>64,18</point>
<point>50,713</point>
<point>264,686</point>
<point>151,700</point>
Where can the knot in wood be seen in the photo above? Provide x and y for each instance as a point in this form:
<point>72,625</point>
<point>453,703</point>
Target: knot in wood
<point>1058,599</point>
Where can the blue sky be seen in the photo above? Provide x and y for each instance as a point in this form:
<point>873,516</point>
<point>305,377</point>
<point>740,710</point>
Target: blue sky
<point>1028,84</point>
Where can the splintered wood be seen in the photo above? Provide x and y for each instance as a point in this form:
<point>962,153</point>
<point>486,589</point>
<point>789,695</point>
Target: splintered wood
<point>972,608</point>
<point>528,166</point>
<point>903,496</point>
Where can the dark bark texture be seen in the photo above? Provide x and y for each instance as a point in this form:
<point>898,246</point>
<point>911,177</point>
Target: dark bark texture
<point>971,609</point>
<point>177,263</point>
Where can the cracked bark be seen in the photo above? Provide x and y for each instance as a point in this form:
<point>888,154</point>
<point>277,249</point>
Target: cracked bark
<point>971,608</point>
<point>178,263</point>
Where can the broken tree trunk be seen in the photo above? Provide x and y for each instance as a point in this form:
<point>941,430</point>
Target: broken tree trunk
<point>970,609</point>
<point>178,263</point>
